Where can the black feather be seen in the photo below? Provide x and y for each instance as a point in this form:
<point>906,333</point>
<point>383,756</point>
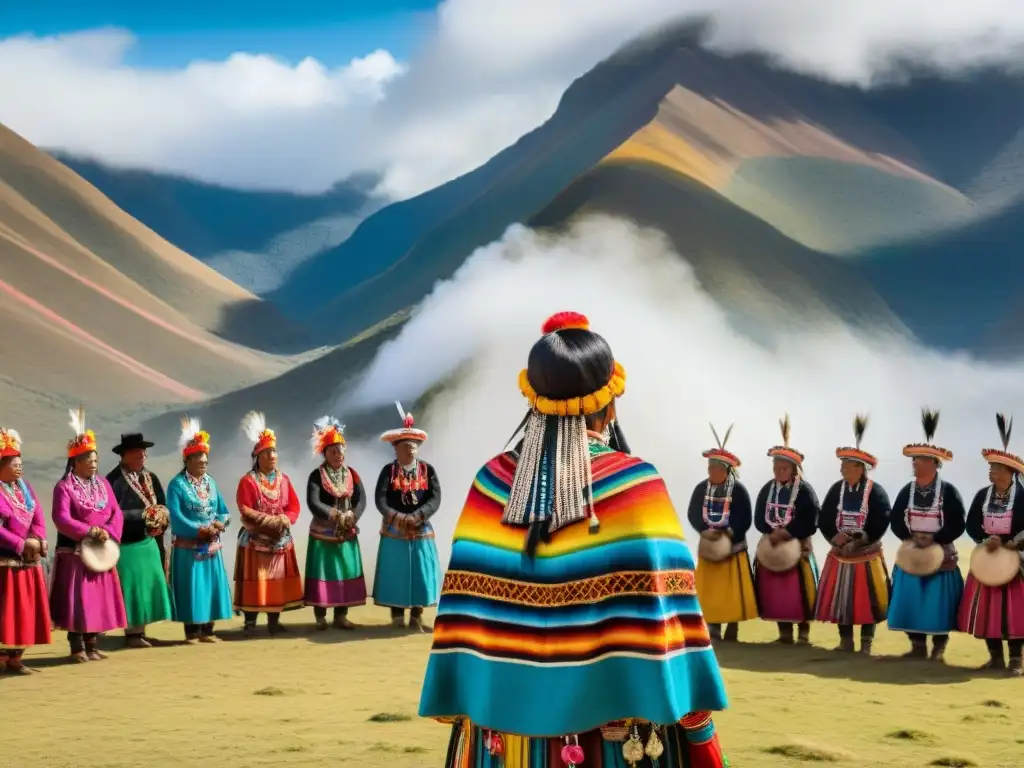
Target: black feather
<point>860,424</point>
<point>1005,429</point>
<point>930,422</point>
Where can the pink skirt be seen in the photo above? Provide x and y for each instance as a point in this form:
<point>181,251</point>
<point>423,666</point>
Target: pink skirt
<point>82,601</point>
<point>787,597</point>
<point>992,613</point>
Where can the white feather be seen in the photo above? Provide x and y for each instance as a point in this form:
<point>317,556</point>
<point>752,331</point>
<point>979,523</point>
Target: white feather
<point>13,434</point>
<point>78,420</point>
<point>321,425</point>
<point>253,425</point>
<point>401,411</point>
<point>189,427</point>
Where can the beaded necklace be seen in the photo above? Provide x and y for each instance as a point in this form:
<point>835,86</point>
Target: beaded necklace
<point>860,518</point>
<point>201,489</point>
<point>932,514</point>
<point>771,512</point>
<point>19,497</point>
<point>996,523</point>
<point>142,484</point>
<point>337,482</point>
<point>712,518</point>
<point>89,493</point>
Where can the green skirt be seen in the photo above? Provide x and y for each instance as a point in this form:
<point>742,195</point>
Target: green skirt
<point>143,583</point>
<point>334,574</point>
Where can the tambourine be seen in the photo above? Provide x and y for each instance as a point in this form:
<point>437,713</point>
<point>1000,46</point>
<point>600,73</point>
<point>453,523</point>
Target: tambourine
<point>780,557</point>
<point>714,549</point>
<point>995,568</point>
<point>919,561</point>
<point>99,556</point>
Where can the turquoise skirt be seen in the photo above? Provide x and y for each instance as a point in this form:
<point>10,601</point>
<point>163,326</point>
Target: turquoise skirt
<point>925,605</point>
<point>200,590</point>
<point>408,573</point>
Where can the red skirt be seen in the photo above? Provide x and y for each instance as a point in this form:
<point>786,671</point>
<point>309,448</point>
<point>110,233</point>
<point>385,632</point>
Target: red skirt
<point>992,613</point>
<point>24,607</point>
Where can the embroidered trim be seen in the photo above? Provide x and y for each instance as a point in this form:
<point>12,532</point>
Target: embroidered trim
<point>593,590</point>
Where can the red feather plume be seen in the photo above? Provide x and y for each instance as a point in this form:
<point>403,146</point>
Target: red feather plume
<point>561,321</point>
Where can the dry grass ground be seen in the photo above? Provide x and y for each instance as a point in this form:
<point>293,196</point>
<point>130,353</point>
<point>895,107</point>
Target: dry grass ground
<point>323,698</point>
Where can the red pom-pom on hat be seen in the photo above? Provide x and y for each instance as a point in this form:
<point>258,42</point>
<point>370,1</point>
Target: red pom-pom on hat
<point>561,321</point>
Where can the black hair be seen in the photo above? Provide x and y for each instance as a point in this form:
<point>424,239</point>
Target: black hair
<point>5,460</point>
<point>573,362</point>
<point>570,363</point>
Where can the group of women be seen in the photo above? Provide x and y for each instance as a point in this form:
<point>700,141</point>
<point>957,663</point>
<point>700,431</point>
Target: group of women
<point>926,597</point>
<point>109,569</point>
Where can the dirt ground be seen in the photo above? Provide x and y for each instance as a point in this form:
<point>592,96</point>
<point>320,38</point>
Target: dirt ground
<point>327,698</point>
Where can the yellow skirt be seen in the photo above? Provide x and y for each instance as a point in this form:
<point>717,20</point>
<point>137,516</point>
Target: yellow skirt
<point>726,589</point>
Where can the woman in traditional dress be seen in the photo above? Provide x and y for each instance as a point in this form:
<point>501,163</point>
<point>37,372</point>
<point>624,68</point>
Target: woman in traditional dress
<point>787,509</point>
<point>336,500</point>
<point>24,609</point>
<point>141,566</point>
<point>996,520</point>
<point>720,509</point>
<point>199,515</point>
<point>927,512</point>
<point>569,630</point>
<point>854,586</point>
<point>84,602</point>
<point>267,577</point>
<point>408,494</point>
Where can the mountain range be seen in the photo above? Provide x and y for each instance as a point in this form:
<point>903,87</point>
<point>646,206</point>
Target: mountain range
<point>796,200</point>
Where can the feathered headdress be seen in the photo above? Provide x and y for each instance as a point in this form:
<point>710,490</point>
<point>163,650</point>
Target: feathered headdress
<point>193,438</point>
<point>927,449</point>
<point>784,451</point>
<point>1004,457</point>
<point>10,443</point>
<point>84,440</point>
<point>327,431</point>
<point>254,426</point>
<point>860,424</point>
<point>408,430</point>
<point>719,454</point>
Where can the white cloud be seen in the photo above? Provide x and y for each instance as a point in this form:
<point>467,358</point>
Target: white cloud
<point>493,70</point>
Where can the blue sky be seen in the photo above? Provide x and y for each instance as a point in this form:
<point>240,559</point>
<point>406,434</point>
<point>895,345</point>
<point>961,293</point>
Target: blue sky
<point>174,33</point>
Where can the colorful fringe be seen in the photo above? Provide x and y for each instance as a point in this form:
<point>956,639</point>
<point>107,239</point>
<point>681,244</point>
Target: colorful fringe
<point>592,610</point>
<point>691,743</point>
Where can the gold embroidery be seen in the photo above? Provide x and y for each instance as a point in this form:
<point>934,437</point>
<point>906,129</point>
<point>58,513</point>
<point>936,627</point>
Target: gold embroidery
<point>593,590</point>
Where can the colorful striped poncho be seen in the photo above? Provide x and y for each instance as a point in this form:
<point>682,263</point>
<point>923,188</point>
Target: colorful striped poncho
<point>599,627</point>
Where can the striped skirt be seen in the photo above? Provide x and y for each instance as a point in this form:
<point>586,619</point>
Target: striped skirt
<point>267,582</point>
<point>691,743</point>
<point>993,613</point>
<point>854,588</point>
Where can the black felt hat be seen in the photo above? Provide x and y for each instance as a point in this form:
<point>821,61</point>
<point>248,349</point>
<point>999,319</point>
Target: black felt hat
<point>130,442</point>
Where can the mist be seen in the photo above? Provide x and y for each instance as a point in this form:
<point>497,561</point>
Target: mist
<point>685,367</point>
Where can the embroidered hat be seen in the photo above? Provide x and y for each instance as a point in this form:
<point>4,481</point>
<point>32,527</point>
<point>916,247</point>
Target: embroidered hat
<point>719,454</point>
<point>407,432</point>
<point>784,451</point>
<point>927,449</point>
<point>327,431</point>
<point>10,443</point>
<point>860,423</point>
<point>84,440</point>
<point>1004,457</point>
<point>254,425</point>
<point>193,438</point>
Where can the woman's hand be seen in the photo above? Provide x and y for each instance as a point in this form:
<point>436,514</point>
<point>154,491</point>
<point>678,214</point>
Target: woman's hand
<point>32,550</point>
<point>992,543</point>
<point>841,540</point>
